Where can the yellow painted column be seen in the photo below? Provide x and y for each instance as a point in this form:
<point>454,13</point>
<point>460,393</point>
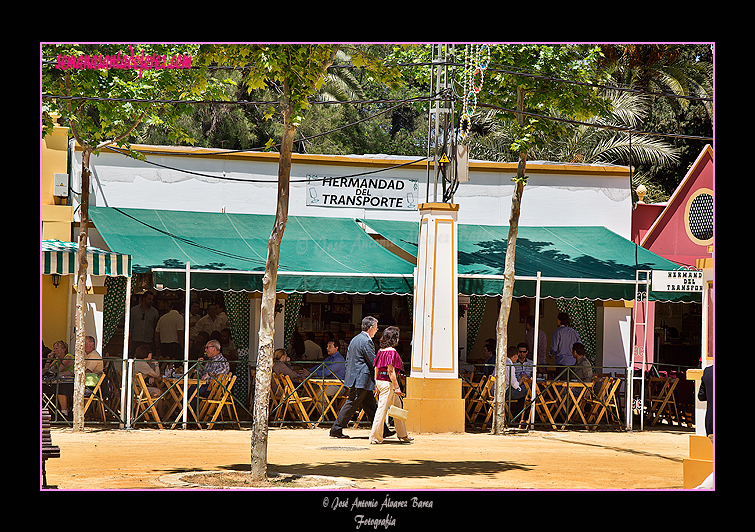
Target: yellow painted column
<point>700,462</point>
<point>434,398</point>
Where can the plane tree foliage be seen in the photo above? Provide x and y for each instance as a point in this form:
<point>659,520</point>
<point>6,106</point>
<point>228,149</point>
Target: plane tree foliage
<point>100,93</point>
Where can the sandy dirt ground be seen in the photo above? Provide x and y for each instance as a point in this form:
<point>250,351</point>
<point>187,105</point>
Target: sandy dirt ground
<point>561,460</point>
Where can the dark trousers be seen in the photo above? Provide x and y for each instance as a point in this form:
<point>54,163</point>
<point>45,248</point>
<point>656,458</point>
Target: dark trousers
<point>358,398</point>
<point>517,398</point>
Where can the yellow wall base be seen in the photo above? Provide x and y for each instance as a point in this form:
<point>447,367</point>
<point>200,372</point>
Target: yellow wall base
<point>700,462</point>
<point>434,405</point>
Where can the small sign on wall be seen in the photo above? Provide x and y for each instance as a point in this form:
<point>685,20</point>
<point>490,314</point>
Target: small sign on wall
<point>365,192</point>
<point>677,281</point>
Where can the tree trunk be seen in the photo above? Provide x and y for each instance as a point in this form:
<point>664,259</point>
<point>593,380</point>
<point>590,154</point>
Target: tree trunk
<point>79,364</point>
<point>267,313</point>
<point>501,352</point>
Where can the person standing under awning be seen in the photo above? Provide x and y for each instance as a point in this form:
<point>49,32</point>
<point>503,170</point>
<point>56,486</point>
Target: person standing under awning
<point>144,318</point>
<point>564,337</point>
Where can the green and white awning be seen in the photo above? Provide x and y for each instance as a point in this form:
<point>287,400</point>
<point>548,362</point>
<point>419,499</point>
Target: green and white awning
<point>62,258</point>
<point>335,255</point>
<point>228,251</point>
<point>574,262</point>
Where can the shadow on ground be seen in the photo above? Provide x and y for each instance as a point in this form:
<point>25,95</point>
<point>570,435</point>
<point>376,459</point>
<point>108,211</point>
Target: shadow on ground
<point>378,469</point>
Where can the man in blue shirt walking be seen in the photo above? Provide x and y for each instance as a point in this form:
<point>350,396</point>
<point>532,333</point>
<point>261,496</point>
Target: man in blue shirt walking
<point>359,379</point>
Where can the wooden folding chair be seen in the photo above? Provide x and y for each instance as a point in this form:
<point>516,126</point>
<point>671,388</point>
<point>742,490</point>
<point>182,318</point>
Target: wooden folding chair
<point>291,400</point>
<point>358,420</point>
<point>113,402</point>
<point>612,400</point>
<point>595,401</point>
<point>483,400</point>
<point>220,397</point>
<point>214,393</point>
<point>144,400</point>
<point>543,403</point>
<point>471,389</point>
<point>324,406</point>
<point>489,403</point>
<point>603,401</point>
<point>662,403</point>
<point>276,394</point>
<point>96,394</point>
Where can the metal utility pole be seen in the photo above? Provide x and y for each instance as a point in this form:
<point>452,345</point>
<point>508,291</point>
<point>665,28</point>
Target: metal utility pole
<point>441,136</point>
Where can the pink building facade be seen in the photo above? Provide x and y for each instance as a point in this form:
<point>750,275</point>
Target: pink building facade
<point>681,230</point>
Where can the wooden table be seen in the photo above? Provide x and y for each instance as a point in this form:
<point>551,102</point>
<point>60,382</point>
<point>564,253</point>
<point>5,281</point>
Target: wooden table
<point>54,382</point>
<point>316,387</point>
<point>573,393</point>
<point>175,386</point>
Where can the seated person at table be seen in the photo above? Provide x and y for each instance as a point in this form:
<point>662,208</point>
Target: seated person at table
<point>333,367</point>
<point>296,347</point>
<point>524,366</point>
<point>488,351</point>
<point>60,368</point>
<point>93,359</point>
<point>515,391</point>
<point>215,365</point>
<point>312,351</point>
<point>280,367</point>
<point>94,365</point>
<point>148,367</point>
<point>196,349</point>
<point>60,361</point>
<point>150,370</point>
<point>582,367</point>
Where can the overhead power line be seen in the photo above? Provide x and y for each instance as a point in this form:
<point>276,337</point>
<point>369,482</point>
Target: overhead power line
<point>491,68</point>
<point>600,126</point>
<point>600,86</point>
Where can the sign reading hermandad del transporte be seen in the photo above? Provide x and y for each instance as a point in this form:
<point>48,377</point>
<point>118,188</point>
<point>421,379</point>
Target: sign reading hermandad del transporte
<point>677,281</point>
<point>364,192</point>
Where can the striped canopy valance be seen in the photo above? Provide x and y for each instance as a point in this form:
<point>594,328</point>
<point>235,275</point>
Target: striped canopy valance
<point>62,258</point>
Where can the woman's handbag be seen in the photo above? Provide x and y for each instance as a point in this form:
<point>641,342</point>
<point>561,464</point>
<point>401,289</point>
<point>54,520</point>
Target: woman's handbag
<point>398,413</point>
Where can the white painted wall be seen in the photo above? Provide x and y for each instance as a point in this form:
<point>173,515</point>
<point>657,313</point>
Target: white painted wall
<point>617,338</point>
<point>583,195</point>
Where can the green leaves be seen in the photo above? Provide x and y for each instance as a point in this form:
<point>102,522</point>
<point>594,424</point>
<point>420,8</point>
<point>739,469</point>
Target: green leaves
<point>543,69</point>
<point>108,89</point>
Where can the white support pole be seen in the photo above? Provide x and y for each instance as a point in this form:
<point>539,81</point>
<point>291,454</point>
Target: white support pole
<point>126,332</point>
<point>640,302</point>
<point>186,343</point>
<point>629,394</point>
<point>646,293</point>
<point>130,372</point>
<point>534,349</point>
